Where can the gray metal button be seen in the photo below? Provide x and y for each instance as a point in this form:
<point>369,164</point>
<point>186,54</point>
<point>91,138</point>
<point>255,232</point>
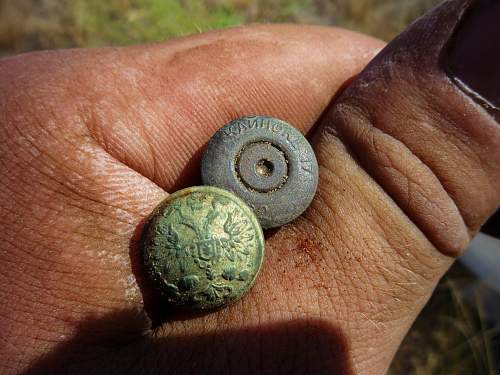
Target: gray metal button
<point>266,162</point>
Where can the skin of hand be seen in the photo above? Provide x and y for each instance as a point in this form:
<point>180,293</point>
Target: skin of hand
<point>92,140</point>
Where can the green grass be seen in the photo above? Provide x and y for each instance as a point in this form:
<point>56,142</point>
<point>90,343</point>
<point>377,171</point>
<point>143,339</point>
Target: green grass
<point>32,24</point>
<point>125,21</point>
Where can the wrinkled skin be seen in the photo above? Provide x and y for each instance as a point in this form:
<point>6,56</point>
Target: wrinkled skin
<point>92,140</point>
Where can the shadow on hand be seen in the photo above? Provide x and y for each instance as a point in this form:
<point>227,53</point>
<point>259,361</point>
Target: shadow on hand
<point>294,347</point>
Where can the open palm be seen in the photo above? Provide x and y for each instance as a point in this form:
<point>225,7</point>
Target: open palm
<point>93,140</point>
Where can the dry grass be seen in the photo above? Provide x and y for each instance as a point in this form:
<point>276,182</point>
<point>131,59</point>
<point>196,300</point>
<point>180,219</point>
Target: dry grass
<point>43,24</point>
<point>456,333</point>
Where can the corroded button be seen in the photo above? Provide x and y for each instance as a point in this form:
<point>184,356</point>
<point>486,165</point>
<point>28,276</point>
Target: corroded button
<point>203,248</point>
<point>267,163</point>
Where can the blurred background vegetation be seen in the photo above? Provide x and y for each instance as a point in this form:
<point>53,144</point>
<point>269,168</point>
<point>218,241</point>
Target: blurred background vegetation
<point>27,25</point>
<point>456,333</point>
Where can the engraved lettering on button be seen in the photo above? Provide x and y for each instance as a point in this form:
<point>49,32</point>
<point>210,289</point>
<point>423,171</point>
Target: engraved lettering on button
<point>241,127</point>
<point>306,165</point>
<point>262,124</point>
<point>269,124</point>
<point>252,124</point>
<point>228,131</point>
<point>290,140</point>
<point>277,128</point>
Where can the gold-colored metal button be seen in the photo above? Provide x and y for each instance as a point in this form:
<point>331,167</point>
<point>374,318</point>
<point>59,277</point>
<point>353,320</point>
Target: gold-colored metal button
<point>203,248</point>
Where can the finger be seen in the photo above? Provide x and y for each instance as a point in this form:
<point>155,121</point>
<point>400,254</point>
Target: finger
<point>425,138</point>
<point>71,211</point>
<point>153,107</point>
<point>402,153</point>
<point>409,170</point>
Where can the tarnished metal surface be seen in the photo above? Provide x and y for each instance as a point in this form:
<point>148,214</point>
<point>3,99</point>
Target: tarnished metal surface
<point>203,248</point>
<point>266,162</point>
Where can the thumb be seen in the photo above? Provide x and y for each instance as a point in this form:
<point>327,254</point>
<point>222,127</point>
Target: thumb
<point>421,122</point>
<point>409,159</point>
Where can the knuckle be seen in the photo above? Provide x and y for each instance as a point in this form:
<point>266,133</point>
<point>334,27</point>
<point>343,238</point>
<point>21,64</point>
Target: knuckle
<point>406,179</point>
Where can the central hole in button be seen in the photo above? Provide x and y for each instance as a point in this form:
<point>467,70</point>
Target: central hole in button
<point>264,168</point>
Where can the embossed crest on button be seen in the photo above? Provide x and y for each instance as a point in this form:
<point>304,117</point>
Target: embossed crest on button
<point>267,163</point>
<point>203,248</point>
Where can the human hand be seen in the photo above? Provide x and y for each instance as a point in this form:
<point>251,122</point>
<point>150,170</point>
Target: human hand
<point>92,140</point>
